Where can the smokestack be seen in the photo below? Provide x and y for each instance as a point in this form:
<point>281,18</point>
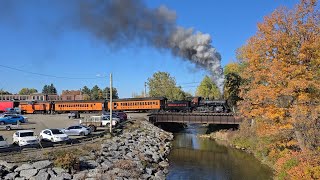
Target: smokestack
<point>119,22</point>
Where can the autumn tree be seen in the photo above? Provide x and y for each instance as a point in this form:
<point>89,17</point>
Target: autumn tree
<point>208,89</point>
<point>161,84</point>
<point>282,72</point>
<point>281,89</point>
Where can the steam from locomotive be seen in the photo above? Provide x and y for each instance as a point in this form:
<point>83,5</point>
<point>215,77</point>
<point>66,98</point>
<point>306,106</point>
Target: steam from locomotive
<point>120,22</point>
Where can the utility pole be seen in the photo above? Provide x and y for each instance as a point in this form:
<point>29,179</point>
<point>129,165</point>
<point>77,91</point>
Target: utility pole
<point>145,89</point>
<point>111,105</point>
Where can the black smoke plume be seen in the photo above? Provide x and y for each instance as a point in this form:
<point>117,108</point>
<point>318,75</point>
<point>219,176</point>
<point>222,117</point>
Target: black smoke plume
<point>123,22</point>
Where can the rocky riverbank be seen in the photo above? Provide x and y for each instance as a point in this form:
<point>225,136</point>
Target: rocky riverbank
<point>224,137</point>
<point>139,152</point>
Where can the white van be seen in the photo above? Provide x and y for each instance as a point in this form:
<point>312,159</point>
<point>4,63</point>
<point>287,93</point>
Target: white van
<point>25,137</point>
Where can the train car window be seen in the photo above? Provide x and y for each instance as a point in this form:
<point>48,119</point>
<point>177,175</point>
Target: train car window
<point>156,103</point>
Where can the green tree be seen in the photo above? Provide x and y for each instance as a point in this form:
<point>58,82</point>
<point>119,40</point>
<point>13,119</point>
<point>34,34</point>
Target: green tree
<point>52,89</point>
<point>106,92</point>
<point>232,84</point>
<point>86,92</point>
<point>208,89</point>
<point>95,91</point>
<point>45,89</point>
<point>161,84</point>
<point>27,91</point>
<point>49,89</point>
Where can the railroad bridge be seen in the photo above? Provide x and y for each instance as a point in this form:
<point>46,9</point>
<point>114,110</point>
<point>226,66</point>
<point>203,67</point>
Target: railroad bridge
<point>197,118</point>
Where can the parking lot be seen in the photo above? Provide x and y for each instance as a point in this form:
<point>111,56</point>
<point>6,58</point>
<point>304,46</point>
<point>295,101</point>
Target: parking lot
<point>39,122</point>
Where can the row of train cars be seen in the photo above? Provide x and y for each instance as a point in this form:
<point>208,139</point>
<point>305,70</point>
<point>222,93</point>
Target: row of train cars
<point>195,104</point>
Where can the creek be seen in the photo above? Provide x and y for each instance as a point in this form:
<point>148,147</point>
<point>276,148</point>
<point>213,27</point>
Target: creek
<point>198,158</point>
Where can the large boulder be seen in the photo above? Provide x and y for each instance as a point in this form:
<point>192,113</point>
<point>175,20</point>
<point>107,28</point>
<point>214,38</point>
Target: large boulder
<point>28,173</point>
<point>41,176</point>
<point>42,164</point>
<point>8,166</point>
<point>23,167</point>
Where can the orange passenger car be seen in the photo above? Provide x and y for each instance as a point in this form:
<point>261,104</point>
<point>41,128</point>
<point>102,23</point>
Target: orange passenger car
<point>80,106</point>
<point>138,104</point>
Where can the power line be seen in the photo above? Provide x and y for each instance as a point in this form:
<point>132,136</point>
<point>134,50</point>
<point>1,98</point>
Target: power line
<point>47,75</point>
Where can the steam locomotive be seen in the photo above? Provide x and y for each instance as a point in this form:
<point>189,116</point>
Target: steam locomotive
<point>198,104</point>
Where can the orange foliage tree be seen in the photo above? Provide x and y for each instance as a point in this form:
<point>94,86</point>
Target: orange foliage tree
<point>281,88</point>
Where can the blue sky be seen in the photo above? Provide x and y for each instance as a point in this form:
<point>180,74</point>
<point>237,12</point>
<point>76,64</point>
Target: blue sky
<point>29,41</point>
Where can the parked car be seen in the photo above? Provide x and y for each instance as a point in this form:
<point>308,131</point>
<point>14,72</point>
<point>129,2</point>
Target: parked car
<point>106,119</point>
<point>122,115</point>
<point>25,137</point>
<point>78,130</point>
<point>3,142</point>
<point>6,114</point>
<point>11,119</point>
<point>15,110</point>
<point>53,135</point>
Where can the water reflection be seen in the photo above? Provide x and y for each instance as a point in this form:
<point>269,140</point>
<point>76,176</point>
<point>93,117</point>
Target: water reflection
<point>195,158</point>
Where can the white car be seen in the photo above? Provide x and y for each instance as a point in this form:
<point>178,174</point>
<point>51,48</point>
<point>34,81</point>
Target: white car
<point>53,135</point>
<point>106,120</point>
<point>3,142</point>
<point>25,137</point>
<point>77,130</point>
